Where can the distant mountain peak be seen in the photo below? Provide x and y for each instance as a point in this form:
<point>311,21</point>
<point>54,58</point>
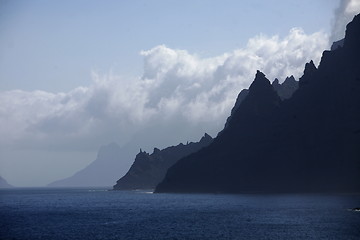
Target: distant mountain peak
<point>206,138</point>
<point>275,82</point>
<point>287,88</point>
<point>290,79</point>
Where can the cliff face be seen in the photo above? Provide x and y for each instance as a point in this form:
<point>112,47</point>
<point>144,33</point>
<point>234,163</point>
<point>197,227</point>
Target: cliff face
<point>149,169</point>
<point>309,143</point>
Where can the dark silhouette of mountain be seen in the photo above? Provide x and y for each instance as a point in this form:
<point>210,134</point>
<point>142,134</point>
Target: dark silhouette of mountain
<point>287,88</point>
<point>309,143</point>
<point>309,73</point>
<point>337,44</point>
<point>102,172</point>
<point>241,96</point>
<point>149,169</point>
<point>4,183</point>
<point>284,90</point>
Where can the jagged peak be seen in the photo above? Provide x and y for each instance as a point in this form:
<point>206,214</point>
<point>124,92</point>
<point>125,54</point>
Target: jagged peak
<point>156,150</point>
<point>275,82</point>
<point>206,137</point>
<point>310,68</point>
<point>309,71</point>
<point>291,78</point>
<point>259,74</point>
<point>261,98</point>
<point>142,153</point>
<point>259,78</point>
<point>260,83</point>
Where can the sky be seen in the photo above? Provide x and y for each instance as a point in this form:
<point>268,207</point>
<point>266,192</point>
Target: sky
<point>76,75</point>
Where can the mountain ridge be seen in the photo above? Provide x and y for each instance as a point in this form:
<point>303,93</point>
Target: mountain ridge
<point>149,169</point>
<point>308,143</point>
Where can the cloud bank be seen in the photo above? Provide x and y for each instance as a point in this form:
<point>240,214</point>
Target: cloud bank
<point>179,93</point>
<point>343,15</point>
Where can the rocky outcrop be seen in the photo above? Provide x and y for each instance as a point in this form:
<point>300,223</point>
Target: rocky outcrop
<point>148,170</point>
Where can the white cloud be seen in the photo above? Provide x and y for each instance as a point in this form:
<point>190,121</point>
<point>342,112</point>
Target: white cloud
<point>177,88</point>
<point>343,15</point>
<point>353,6</point>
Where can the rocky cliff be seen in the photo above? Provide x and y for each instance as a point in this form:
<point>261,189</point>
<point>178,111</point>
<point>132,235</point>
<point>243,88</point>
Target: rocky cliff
<point>149,169</point>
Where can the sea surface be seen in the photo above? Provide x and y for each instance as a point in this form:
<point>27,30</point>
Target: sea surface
<point>79,213</point>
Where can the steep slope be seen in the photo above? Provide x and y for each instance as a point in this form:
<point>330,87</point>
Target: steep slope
<point>102,172</point>
<point>216,168</point>
<point>284,90</point>
<point>241,96</point>
<point>149,169</point>
<point>309,143</point>
<point>4,183</point>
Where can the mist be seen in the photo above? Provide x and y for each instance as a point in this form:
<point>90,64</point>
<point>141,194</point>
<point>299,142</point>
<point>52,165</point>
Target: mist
<point>342,16</point>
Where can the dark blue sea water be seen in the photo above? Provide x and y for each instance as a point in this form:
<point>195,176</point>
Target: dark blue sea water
<point>100,214</point>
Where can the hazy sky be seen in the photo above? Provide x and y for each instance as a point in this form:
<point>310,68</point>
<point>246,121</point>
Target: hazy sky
<point>75,75</point>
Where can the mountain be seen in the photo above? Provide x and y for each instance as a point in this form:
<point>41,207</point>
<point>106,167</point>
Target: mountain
<point>308,143</point>
<point>241,96</point>
<point>149,169</point>
<point>4,183</point>
<point>101,172</point>
<point>287,88</point>
<point>284,90</point>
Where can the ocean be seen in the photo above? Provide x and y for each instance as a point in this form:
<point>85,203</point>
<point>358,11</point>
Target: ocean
<point>95,213</point>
